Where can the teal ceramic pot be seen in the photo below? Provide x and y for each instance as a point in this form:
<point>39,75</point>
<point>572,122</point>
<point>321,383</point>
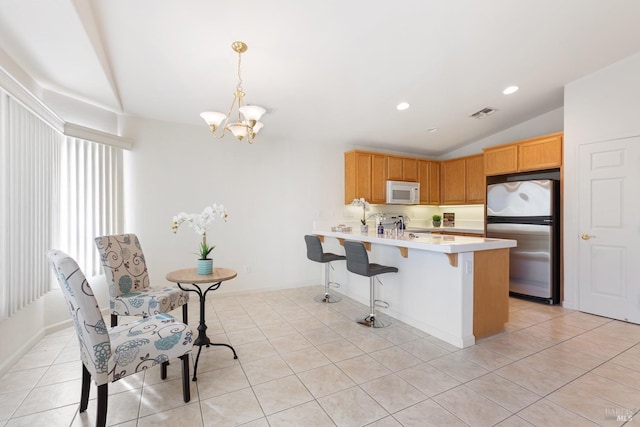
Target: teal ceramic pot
<point>205,266</point>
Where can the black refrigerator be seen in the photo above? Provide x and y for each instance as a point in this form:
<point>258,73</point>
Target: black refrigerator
<point>528,212</point>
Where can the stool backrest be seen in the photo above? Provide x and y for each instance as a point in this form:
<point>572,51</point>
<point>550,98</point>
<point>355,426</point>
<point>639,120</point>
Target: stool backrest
<point>357,258</point>
<point>314,248</point>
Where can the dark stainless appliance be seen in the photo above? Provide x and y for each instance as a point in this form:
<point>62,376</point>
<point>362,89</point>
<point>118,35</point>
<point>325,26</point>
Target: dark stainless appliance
<point>528,211</point>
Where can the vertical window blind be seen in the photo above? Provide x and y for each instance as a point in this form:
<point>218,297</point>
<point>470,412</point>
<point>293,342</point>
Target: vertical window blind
<point>56,192</point>
<point>90,198</point>
<point>29,162</point>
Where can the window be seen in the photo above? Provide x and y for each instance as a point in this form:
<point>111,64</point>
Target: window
<point>90,198</point>
<point>28,206</point>
<point>56,191</point>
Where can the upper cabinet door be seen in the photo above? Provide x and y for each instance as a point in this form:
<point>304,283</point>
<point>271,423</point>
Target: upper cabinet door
<point>501,160</point>
<point>410,170</point>
<point>429,179</point>
<point>475,182</point>
<point>402,169</point>
<point>542,153</point>
<point>357,176</point>
<point>378,179</point>
<point>453,181</point>
<point>434,184</point>
<point>395,168</point>
<point>423,179</point>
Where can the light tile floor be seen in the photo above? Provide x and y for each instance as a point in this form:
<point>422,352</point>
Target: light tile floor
<point>305,363</point>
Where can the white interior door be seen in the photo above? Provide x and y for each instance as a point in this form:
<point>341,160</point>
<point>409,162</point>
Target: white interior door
<point>609,206</point>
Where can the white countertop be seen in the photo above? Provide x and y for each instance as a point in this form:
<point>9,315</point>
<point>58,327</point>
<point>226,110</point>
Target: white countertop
<point>425,242</point>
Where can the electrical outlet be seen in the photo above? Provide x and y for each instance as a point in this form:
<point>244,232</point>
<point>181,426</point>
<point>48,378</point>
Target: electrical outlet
<point>247,269</point>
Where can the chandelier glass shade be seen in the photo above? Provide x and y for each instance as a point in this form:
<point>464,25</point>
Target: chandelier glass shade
<point>244,124</point>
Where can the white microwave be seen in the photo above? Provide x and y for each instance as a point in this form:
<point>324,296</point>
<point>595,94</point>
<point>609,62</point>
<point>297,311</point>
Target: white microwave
<point>403,193</point>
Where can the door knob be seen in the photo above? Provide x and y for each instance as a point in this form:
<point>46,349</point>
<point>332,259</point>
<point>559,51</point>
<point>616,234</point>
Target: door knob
<point>586,237</point>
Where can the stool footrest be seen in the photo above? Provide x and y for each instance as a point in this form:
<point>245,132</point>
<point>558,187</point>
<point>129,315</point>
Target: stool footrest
<point>334,284</point>
<point>380,303</point>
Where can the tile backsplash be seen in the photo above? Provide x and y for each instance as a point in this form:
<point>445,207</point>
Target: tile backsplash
<point>419,215</point>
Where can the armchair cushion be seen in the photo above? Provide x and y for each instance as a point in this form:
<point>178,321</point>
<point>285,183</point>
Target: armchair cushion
<point>146,343</point>
<point>149,302</point>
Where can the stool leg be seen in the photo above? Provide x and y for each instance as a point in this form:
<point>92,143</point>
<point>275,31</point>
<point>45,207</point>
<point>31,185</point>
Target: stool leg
<point>327,298</point>
<point>372,320</point>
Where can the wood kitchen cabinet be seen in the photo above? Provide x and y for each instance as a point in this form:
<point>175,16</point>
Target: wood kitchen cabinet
<point>452,173</point>
<point>463,180</point>
<point>533,154</point>
<point>501,160</point>
<point>365,175</point>
<point>475,182</point>
<point>450,182</point>
<point>429,179</point>
<point>453,182</point>
<point>378,179</point>
<point>357,175</point>
<point>434,183</point>
<point>402,169</point>
<point>410,169</point>
<point>540,153</point>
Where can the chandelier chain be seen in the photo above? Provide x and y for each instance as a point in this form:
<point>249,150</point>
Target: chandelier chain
<point>239,86</point>
<point>239,90</point>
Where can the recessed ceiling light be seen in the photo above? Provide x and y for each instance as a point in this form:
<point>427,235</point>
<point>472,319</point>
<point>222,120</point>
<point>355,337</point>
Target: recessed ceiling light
<point>403,106</point>
<point>432,130</point>
<point>510,90</point>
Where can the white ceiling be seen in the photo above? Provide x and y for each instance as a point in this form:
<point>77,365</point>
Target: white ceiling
<point>328,71</point>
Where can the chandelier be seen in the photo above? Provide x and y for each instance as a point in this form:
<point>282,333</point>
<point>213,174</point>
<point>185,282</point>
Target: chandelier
<point>246,124</point>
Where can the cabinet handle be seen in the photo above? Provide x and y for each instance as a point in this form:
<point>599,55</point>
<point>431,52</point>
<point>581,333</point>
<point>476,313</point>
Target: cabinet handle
<point>587,237</point>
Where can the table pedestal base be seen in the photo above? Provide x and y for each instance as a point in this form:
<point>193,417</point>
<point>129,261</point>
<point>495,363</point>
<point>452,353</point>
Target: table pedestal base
<point>203,340</point>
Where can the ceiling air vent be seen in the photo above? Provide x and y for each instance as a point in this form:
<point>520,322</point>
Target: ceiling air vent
<point>486,111</point>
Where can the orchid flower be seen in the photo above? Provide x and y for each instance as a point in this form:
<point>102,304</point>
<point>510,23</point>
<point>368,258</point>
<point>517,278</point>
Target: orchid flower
<point>199,224</point>
<point>365,207</point>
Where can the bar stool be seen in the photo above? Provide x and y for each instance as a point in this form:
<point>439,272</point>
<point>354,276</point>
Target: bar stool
<point>358,263</point>
<point>315,253</point>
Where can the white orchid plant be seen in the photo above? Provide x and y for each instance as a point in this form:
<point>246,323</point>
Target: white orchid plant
<point>365,208</point>
<point>199,224</point>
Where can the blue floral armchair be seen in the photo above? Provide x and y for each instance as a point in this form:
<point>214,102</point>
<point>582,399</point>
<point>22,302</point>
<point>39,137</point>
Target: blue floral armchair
<point>129,291</point>
<point>111,354</point>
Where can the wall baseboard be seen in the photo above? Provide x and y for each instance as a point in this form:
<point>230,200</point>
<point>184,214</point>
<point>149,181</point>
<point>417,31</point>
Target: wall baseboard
<point>8,363</point>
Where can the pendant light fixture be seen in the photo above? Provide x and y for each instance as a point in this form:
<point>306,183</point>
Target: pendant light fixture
<point>246,125</point>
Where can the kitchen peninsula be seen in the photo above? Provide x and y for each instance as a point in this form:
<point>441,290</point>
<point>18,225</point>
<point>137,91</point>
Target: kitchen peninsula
<point>455,288</point>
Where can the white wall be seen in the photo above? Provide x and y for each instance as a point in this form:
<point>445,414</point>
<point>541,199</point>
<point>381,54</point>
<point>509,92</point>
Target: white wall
<point>274,190</point>
<point>602,106</point>
<point>20,332</point>
<point>47,314</point>
<point>550,122</point>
